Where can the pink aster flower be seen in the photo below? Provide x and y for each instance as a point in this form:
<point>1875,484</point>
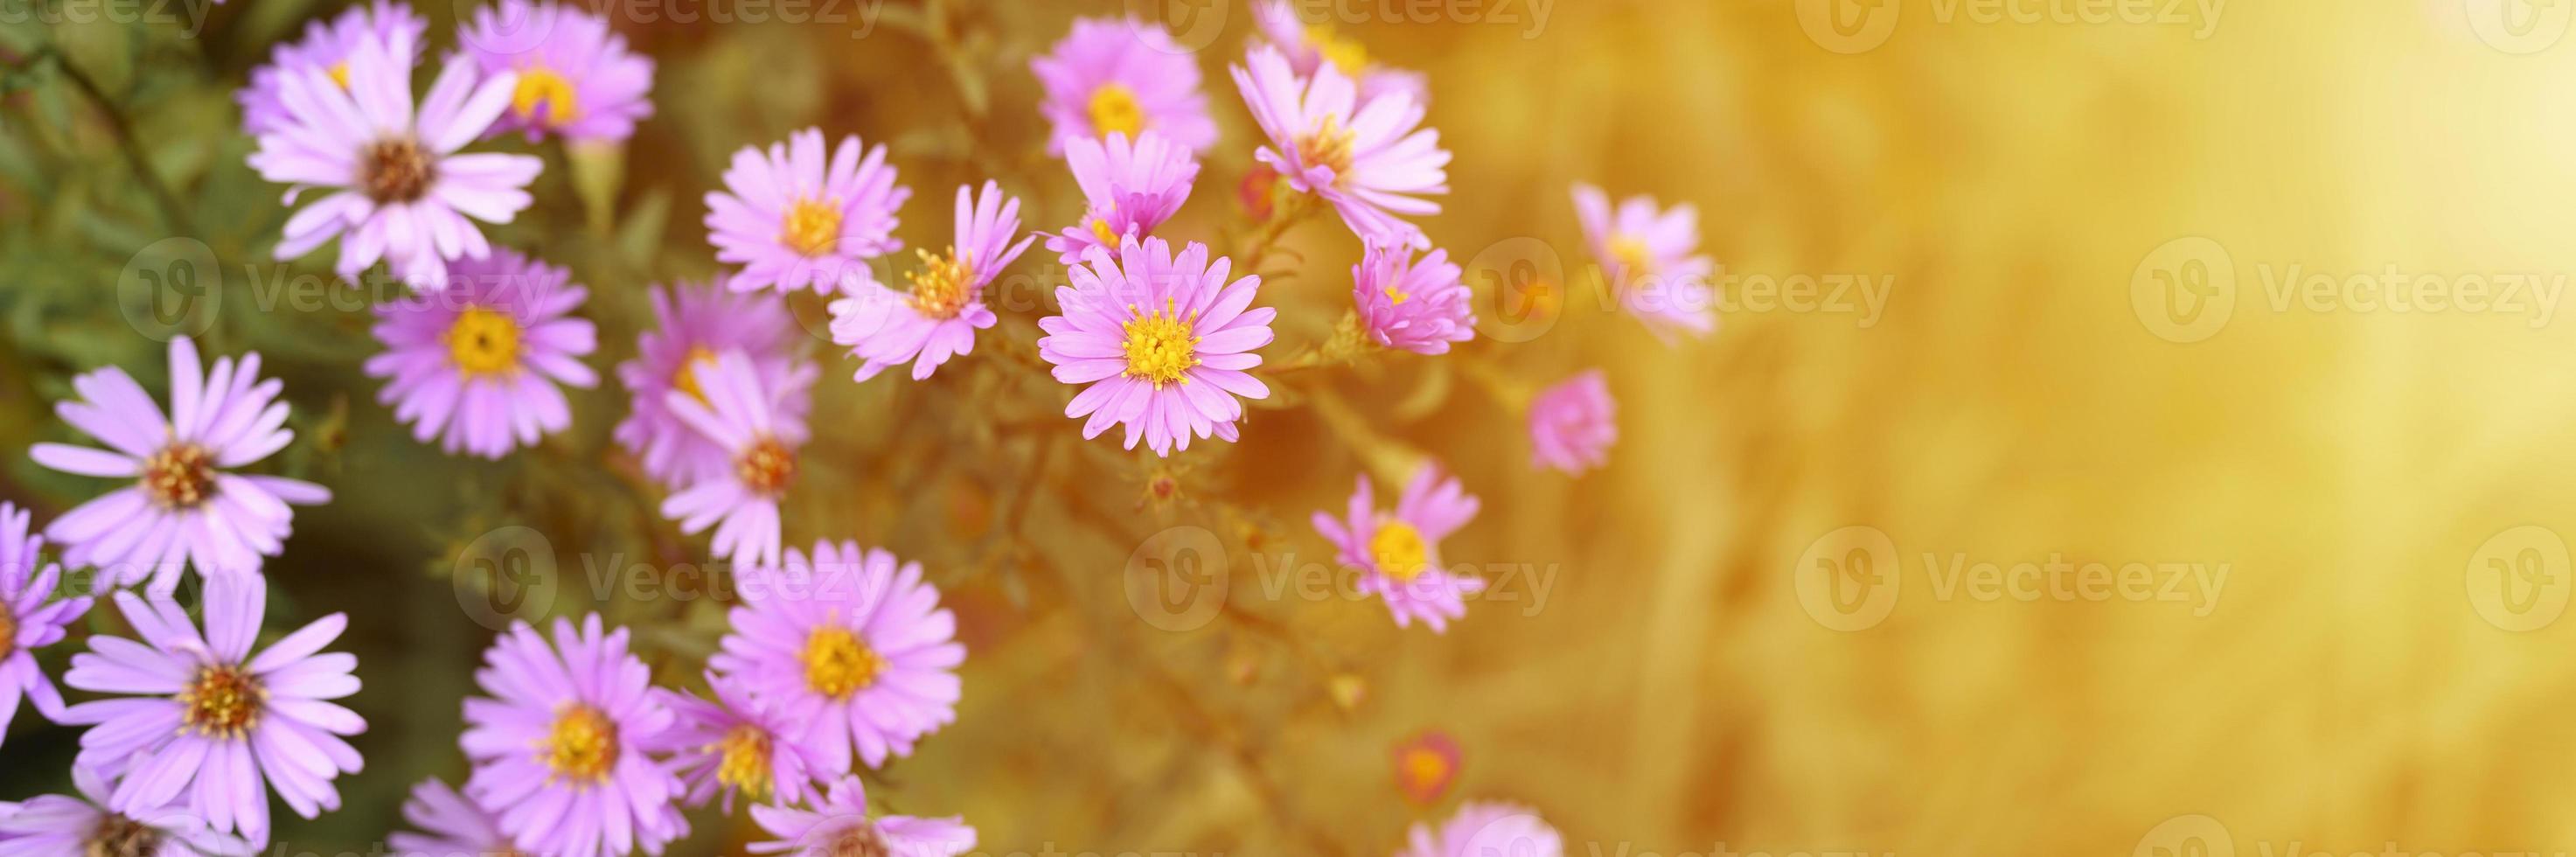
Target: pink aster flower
<point>211,725</point>
<point>1112,75</point>
<point>555,744</point>
<point>694,323</point>
<point>62,825</point>
<point>29,618</point>
<point>840,825</point>
<point>1131,189</point>
<point>849,644</point>
<point>1484,828</point>
<point>576,79</point>
<point>1163,342</point>
<point>1652,260</point>
<point>937,318</point>
<point>452,825</point>
<point>1310,46</point>
<point>184,507</point>
<point>793,221</point>
<point>738,745</point>
<point>401,190</point>
<point>476,365</point>
<point>1371,160</point>
<point>1573,424</point>
<point>1417,305</point>
<point>1398,552</point>
<point>737,410</point>
<point>389,27</point>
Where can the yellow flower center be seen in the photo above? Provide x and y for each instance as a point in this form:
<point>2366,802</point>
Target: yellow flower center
<point>766,467</point>
<point>119,836</point>
<point>1399,550</point>
<point>1328,146</point>
<point>340,74</point>
<point>396,170</point>
<point>1100,230</point>
<point>180,476</point>
<point>222,701</point>
<point>1344,53</point>
<point>813,226</point>
<point>941,289</point>
<point>1161,346</point>
<point>1114,109</point>
<point>540,86</point>
<point>484,341</point>
<point>1396,295</point>
<point>1632,255</point>
<point>743,762</point>
<point>686,380</point>
<point>1424,767</point>
<point>838,663</point>
<point>582,747</point>
<point>8,631</point>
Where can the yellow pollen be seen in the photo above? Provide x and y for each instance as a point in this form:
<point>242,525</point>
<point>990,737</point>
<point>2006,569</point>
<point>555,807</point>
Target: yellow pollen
<point>1396,295</point>
<point>180,476</point>
<point>1328,146</point>
<point>686,380</point>
<point>941,289</point>
<point>743,762</point>
<point>540,86</point>
<point>1100,230</point>
<point>119,836</point>
<point>813,226</point>
<point>766,467</point>
<point>1399,550</point>
<point>838,663</point>
<point>1114,110</point>
<point>1631,255</point>
<point>1344,53</point>
<point>223,701</point>
<point>1424,766</point>
<point>484,341</point>
<point>340,74</point>
<point>582,747</point>
<point>1161,347</point>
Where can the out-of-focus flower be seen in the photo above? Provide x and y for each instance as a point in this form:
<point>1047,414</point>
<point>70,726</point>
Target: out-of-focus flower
<point>576,79</point>
<point>1398,552</point>
<point>29,620</point>
<point>183,509</point>
<point>840,825</point>
<point>1573,424</point>
<point>1425,766</point>
<point>401,190</point>
<point>1131,189</point>
<point>694,323</point>
<point>848,644</point>
<point>1163,343</point>
<point>1112,75</point>
<point>475,365</point>
<point>737,745</point>
<point>555,744</point>
<point>391,27</point>
<point>1310,46</point>
<point>210,725</point>
<point>1652,260</point>
<point>1486,828</point>
<point>792,220</point>
<point>737,410</point>
<point>49,825</point>
<point>1417,305</point>
<point>1373,160</point>
<point>452,826</point>
<point>937,317</point>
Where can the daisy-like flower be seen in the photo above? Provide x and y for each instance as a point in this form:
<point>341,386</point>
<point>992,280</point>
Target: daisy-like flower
<point>1131,189</point>
<point>576,79</point>
<point>1398,552</point>
<point>793,221</point>
<point>184,507</point>
<point>1112,75</point>
<point>850,645</point>
<point>1652,260</point>
<point>451,826</point>
<point>556,744</point>
<point>1163,342</point>
<point>27,620</point>
<point>937,317</point>
<point>401,190</point>
<point>1416,305</point>
<point>737,745</point>
<point>840,825</point>
<point>476,365</point>
<point>1311,46</point>
<point>694,323</point>
<point>52,825</point>
<point>1486,828</point>
<point>1573,424</point>
<point>736,409</point>
<point>390,27</point>
<point>1371,160</point>
<point>210,724</point>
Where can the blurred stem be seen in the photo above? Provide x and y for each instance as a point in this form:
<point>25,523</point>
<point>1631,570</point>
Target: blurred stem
<point>173,216</point>
<point>1347,344</point>
<point>1390,460</point>
<point>1282,217</point>
<point>1512,393</point>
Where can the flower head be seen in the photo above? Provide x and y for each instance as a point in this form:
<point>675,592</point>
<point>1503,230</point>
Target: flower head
<point>936,318</point>
<point>454,826</point>
<point>1415,305</point>
<point>1132,188</point>
<point>839,826</point>
<point>1486,828</point>
<point>1371,160</point>
<point>576,78</point>
<point>1312,46</point>
<point>1398,552</point>
<point>401,190</point>
<point>745,416</point>
<point>476,365</point>
<point>737,745</point>
<point>556,743</point>
<point>1652,260</point>
<point>1112,75</point>
<point>1163,343</point>
<point>389,27</point>
<point>849,644</point>
<point>1573,424</point>
<point>211,725</point>
<point>1425,766</point>
<point>792,220</point>
<point>30,618</point>
<point>185,507</point>
<point>84,825</point>
<point>693,324</point>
